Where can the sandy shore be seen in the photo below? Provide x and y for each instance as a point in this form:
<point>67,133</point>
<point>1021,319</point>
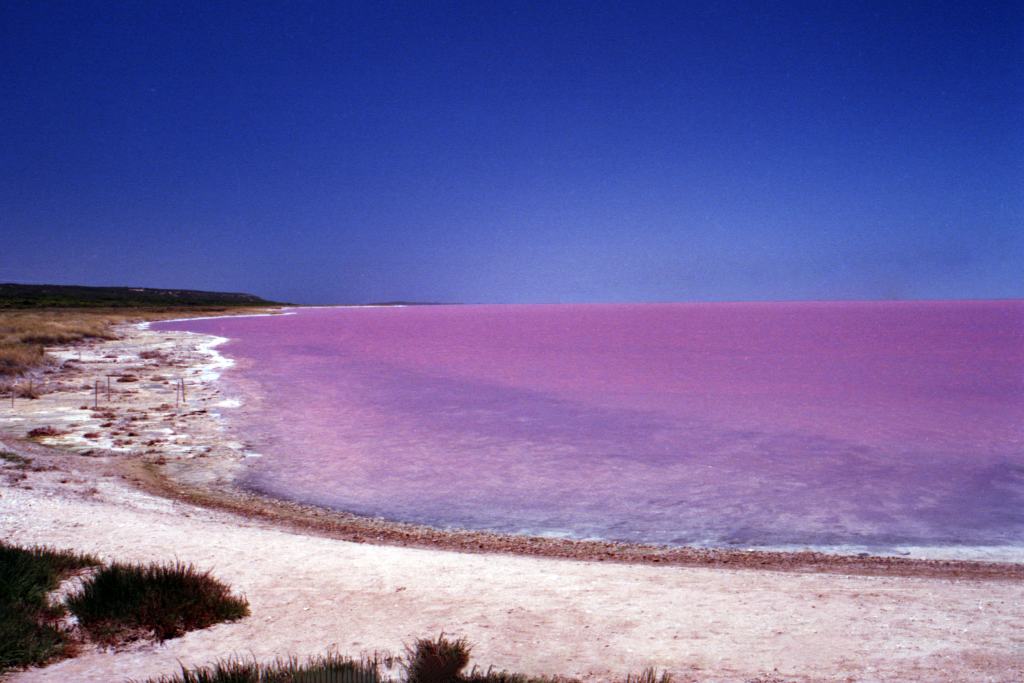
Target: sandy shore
<point>122,475</point>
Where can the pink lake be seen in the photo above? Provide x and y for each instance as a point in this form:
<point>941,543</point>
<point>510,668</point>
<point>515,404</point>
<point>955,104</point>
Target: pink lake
<point>832,425</point>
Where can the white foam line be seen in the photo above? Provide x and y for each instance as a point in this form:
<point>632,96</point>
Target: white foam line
<point>145,325</point>
<point>211,371</point>
<point>358,306</point>
<point>989,553</point>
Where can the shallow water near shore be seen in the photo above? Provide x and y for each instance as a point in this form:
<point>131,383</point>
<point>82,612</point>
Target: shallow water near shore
<point>842,426</point>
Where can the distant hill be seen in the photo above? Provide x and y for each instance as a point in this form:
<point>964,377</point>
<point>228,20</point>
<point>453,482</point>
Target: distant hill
<point>72,296</point>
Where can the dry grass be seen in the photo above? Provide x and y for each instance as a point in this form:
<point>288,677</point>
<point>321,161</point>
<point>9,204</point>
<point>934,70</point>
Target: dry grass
<point>24,334</point>
<point>16,357</point>
<point>44,327</point>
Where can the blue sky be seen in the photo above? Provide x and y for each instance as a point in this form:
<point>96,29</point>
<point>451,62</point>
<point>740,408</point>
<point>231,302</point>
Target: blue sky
<point>516,152</point>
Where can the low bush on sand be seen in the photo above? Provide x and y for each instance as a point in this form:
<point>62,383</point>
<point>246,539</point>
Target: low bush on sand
<point>28,632</point>
<point>119,602</point>
<point>123,601</point>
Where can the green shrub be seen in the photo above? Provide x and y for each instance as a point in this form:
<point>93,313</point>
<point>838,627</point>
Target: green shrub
<point>122,600</point>
<point>28,635</point>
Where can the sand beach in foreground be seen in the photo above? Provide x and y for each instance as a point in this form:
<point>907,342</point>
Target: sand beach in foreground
<point>121,477</point>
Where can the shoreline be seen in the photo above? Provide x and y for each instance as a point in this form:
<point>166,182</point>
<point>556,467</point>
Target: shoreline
<point>188,452</point>
<point>595,621</point>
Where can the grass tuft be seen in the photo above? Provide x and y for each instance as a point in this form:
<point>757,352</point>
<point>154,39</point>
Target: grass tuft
<point>28,634</point>
<point>124,600</point>
<point>14,460</point>
<point>649,675</point>
<point>41,432</point>
<point>437,660</point>
<point>328,668</point>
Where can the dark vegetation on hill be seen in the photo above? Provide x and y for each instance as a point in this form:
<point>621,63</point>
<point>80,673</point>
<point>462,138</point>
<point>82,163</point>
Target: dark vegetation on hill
<point>74,296</point>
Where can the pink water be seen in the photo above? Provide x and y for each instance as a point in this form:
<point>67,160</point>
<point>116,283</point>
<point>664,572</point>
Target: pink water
<point>823,424</point>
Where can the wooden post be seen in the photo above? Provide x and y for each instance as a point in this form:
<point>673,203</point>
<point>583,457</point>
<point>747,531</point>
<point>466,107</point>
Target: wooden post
<point>96,395</point>
<point>177,394</point>
<point>108,388</point>
<point>183,399</point>
<point>30,387</point>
